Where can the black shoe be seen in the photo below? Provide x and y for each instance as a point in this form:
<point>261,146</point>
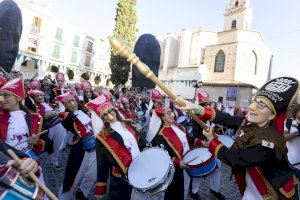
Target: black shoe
<point>217,194</point>
<point>195,196</point>
<point>79,195</point>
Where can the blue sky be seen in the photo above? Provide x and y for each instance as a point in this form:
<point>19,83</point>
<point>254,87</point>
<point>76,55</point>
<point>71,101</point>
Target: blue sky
<point>277,20</point>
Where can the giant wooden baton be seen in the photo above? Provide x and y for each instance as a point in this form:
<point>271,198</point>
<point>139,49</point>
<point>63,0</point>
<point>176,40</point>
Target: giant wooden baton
<point>122,49</point>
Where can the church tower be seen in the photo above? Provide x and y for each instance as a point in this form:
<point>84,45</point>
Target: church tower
<point>238,15</point>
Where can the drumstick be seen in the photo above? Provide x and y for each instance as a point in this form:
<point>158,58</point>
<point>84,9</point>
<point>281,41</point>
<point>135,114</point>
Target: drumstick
<point>33,176</point>
<point>192,160</point>
<point>5,73</point>
<point>41,133</point>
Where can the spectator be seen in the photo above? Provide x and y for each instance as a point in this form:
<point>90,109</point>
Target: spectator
<point>291,133</point>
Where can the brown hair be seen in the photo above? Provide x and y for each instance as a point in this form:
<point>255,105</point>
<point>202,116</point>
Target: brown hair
<point>295,110</point>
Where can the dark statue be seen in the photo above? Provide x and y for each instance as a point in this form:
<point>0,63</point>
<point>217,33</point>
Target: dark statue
<point>147,48</point>
<point>10,33</point>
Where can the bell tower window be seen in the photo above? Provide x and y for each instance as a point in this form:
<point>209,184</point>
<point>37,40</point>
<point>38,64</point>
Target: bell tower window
<point>233,25</point>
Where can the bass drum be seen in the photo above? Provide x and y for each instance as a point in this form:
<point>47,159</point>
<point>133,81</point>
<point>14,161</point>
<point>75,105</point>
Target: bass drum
<point>152,171</point>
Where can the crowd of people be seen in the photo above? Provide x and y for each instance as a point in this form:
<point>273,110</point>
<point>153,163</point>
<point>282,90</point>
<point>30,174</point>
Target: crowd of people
<point>106,130</point>
<point>109,133</point>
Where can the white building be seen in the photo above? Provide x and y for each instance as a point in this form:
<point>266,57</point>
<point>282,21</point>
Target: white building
<point>235,59</point>
<point>49,45</point>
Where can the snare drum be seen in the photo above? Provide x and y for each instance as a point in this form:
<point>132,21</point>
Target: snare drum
<point>226,140</point>
<point>200,161</point>
<point>53,122</point>
<point>31,154</point>
<point>152,171</point>
<point>9,194</point>
<point>17,187</point>
<point>89,142</point>
<point>182,120</point>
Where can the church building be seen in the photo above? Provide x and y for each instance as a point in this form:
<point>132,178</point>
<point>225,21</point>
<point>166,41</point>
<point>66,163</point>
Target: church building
<point>229,65</point>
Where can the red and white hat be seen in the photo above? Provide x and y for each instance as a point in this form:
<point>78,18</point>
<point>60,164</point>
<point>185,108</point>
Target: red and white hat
<point>124,100</point>
<point>2,81</point>
<point>106,92</point>
<point>60,77</point>
<point>32,93</point>
<point>203,97</point>
<point>86,85</point>
<point>65,97</point>
<point>155,95</point>
<point>35,85</point>
<point>100,104</point>
<point>15,87</point>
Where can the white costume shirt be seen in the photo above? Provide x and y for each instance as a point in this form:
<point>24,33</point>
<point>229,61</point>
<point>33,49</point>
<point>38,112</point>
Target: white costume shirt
<point>47,107</point>
<point>182,136</point>
<point>17,130</point>
<point>129,140</point>
<point>84,119</point>
<point>293,145</point>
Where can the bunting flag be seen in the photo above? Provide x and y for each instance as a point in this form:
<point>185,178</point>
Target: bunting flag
<point>18,56</point>
<point>24,58</point>
<point>188,83</point>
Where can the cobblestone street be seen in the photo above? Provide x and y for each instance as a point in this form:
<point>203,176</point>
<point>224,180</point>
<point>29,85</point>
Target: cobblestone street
<point>54,180</point>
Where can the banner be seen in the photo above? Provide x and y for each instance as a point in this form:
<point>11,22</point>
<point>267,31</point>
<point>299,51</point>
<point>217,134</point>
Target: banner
<point>232,93</point>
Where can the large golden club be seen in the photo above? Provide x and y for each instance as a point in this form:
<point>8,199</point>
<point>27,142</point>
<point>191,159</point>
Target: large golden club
<point>122,49</point>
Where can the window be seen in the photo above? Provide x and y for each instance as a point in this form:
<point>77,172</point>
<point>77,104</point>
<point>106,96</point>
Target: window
<point>219,62</point>
<point>37,23</point>
<point>90,47</point>
<point>87,61</point>
<point>59,33</point>
<point>76,41</point>
<point>54,68</point>
<point>236,3</point>
<point>74,57</point>
<point>33,49</point>
<point>56,51</point>
<point>202,56</point>
<point>220,99</point>
<point>233,25</point>
<point>253,63</point>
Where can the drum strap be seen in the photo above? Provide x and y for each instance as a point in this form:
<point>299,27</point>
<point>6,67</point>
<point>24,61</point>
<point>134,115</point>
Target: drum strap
<point>148,144</point>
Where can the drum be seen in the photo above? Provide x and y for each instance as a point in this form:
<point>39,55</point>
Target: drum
<point>89,142</point>
<point>152,171</point>
<point>182,120</point>
<point>16,187</point>
<point>53,121</point>
<point>140,121</point>
<point>9,194</point>
<point>200,161</point>
<point>226,140</point>
<point>31,154</point>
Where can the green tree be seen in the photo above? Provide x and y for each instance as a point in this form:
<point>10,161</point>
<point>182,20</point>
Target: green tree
<point>125,28</point>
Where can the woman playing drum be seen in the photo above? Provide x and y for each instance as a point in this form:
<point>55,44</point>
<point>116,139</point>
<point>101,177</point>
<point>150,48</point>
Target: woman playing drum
<point>258,157</point>
<point>117,145</point>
